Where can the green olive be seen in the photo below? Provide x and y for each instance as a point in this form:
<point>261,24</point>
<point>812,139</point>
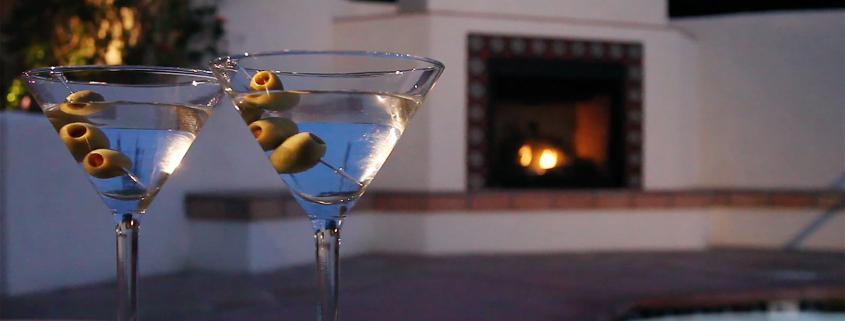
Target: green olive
<point>277,101</point>
<point>271,132</point>
<point>83,102</point>
<point>298,153</point>
<point>250,114</point>
<point>82,138</point>
<point>84,96</point>
<point>59,118</point>
<point>106,163</point>
<point>265,80</point>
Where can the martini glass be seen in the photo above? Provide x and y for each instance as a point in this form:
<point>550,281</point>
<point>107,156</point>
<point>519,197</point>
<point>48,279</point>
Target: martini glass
<point>128,128</point>
<point>349,110</point>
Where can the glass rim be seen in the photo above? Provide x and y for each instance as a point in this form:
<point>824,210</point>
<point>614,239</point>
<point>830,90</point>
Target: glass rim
<point>435,64</point>
<point>39,73</point>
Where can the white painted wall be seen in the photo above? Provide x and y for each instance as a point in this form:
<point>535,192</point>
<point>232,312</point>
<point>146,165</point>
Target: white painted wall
<point>286,243</point>
<point>774,228</point>
<point>267,245</point>
<point>58,232</point>
<point>638,11</point>
<point>272,25</point>
<point>772,97</point>
<point>405,169</point>
<point>542,231</point>
<point>348,9</point>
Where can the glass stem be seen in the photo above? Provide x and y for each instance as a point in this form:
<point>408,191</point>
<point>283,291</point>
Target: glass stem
<point>327,239</point>
<point>127,267</point>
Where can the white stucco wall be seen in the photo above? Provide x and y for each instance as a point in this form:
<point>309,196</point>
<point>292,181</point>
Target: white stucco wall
<point>772,97</point>
<point>405,169</point>
<point>542,231</point>
<point>287,242</point>
<point>272,25</point>
<point>268,245</point>
<point>58,232</point>
<point>351,9</point>
<point>774,228</point>
<point>639,11</point>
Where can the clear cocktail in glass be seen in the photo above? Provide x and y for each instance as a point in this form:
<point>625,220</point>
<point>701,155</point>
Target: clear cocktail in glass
<point>128,128</point>
<point>327,121</point>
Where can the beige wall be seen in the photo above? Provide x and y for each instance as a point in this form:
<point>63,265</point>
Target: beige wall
<point>774,228</point>
<point>772,97</point>
<point>405,169</point>
<point>638,11</point>
<point>542,231</point>
<point>272,25</point>
<point>56,230</point>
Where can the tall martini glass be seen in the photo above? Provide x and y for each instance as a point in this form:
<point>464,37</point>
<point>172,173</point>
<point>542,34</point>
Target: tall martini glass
<point>327,122</point>
<point>128,127</point>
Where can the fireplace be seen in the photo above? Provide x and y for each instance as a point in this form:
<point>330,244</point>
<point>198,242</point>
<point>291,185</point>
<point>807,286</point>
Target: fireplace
<point>553,113</point>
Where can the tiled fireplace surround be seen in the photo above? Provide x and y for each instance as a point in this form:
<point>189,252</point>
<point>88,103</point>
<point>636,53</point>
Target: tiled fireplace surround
<point>483,48</point>
<point>257,206</point>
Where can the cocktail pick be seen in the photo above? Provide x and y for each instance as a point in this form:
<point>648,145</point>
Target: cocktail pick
<point>338,170</point>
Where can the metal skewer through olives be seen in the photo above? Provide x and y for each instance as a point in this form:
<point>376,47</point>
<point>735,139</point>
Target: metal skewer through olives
<point>277,100</point>
<point>106,163</point>
<point>81,138</point>
<point>298,153</point>
<point>271,132</point>
<point>83,102</point>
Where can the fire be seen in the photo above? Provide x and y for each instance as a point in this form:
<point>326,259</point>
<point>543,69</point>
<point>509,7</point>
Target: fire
<point>548,159</point>
<point>525,156</point>
<point>538,158</point>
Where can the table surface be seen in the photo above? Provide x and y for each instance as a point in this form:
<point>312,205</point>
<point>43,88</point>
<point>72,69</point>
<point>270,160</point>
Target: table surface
<point>570,286</point>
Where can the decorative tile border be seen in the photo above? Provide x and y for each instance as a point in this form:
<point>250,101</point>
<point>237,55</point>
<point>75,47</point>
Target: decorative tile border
<point>256,206</point>
<point>482,48</point>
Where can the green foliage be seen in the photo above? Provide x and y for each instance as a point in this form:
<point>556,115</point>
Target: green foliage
<point>96,32</point>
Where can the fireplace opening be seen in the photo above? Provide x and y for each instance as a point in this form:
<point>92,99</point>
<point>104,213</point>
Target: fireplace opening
<point>555,124</point>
